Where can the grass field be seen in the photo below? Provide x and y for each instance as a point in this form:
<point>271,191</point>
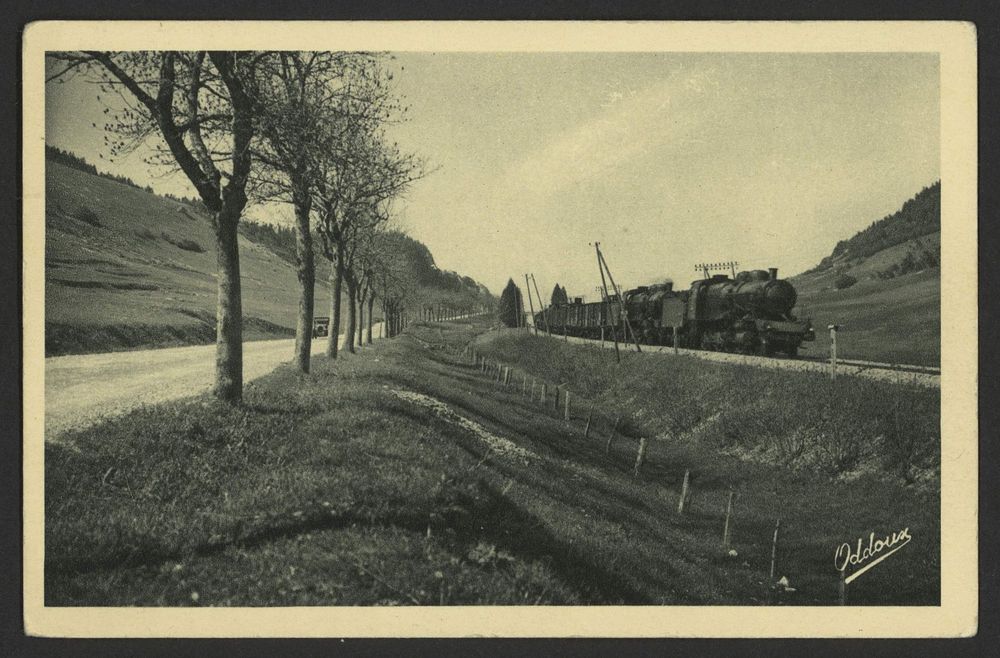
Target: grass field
<point>404,475</point>
<point>894,320</point>
<point>127,269</point>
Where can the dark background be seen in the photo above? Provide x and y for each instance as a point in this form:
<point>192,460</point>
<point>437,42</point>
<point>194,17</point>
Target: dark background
<point>17,13</point>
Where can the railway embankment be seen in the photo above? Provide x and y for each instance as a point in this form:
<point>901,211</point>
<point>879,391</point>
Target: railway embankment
<point>786,412</point>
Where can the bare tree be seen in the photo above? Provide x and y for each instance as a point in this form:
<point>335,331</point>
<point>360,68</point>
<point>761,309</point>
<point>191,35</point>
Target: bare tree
<point>200,105</point>
<point>372,258</point>
<point>355,198</point>
<point>300,105</point>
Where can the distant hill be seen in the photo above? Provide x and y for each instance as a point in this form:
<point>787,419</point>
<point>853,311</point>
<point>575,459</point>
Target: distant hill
<point>883,285</point>
<point>919,217</point>
<point>432,285</point>
<point>126,268</point>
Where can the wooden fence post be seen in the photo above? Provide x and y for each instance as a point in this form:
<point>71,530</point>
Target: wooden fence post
<point>611,437</point>
<point>639,457</point>
<point>555,398</point>
<point>542,398</point>
<point>566,406</point>
<point>725,528</point>
<point>677,340</point>
<point>685,491</point>
<point>774,549</point>
<point>833,350</point>
<point>586,430</point>
<point>532,396</point>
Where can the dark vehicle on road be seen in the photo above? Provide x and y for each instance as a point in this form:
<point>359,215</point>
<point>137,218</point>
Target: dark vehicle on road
<point>321,327</point>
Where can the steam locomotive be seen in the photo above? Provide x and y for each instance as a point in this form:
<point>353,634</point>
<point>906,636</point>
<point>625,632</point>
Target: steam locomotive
<point>750,313</point>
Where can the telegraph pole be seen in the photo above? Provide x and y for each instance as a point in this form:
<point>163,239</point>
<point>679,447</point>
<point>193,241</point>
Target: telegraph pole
<point>527,286</point>
<point>604,291</point>
<point>621,302</point>
<point>541,307</point>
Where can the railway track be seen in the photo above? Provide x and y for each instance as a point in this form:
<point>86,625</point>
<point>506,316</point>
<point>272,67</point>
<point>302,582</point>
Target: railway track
<point>899,373</point>
<point>896,367</point>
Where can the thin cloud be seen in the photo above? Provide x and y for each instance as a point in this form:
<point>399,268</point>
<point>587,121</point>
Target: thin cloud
<point>631,125</point>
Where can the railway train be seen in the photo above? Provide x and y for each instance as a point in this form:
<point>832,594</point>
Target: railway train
<point>751,313</point>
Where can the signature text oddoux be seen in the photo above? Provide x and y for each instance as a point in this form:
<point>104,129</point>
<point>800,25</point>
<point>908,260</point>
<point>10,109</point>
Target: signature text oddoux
<point>867,555</point>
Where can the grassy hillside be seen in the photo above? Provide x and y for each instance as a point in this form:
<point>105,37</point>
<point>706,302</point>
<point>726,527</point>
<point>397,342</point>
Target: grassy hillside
<point>883,286</point>
<point>125,268</point>
<point>892,321</point>
<point>404,475</point>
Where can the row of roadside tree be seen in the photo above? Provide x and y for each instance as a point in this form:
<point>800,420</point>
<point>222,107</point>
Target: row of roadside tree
<point>308,129</point>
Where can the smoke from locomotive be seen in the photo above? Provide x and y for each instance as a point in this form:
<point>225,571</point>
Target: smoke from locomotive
<point>749,313</point>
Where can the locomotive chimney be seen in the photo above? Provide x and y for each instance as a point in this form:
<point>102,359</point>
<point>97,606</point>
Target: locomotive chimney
<point>774,274</point>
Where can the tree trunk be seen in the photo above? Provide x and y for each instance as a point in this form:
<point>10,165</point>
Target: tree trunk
<point>371,306</point>
<point>337,283</point>
<point>351,315</point>
<point>361,318</point>
<point>229,308</point>
<point>307,279</point>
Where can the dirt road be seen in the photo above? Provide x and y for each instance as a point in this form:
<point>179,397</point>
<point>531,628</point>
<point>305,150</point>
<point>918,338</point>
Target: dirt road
<point>80,389</point>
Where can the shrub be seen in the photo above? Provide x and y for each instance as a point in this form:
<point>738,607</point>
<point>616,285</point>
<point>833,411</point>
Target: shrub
<point>190,245</point>
<point>184,243</point>
<point>85,214</point>
<point>844,281</point>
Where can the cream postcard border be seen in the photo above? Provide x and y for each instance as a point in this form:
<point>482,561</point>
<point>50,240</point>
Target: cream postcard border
<point>956,616</point>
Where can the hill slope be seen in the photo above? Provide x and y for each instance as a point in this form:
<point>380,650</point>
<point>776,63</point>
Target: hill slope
<point>883,286</point>
<point>125,268</point>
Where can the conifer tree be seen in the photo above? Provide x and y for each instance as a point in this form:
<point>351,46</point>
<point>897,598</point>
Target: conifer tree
<point>559,295</point>
<point>511,307</point>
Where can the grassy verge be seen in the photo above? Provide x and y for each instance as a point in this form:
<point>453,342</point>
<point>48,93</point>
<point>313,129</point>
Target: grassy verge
<point>403,475</point>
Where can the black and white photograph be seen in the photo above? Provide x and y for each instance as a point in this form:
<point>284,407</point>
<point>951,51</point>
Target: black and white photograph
<point>570,326</point>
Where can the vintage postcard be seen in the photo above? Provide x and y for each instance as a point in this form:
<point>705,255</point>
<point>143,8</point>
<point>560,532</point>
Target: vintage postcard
<point>500,329</point>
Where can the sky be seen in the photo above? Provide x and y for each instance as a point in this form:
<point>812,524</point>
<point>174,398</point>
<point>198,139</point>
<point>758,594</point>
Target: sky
<point>667,159</point>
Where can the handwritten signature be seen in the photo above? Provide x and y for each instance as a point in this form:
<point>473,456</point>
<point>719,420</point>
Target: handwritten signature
<point>868,555</point>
